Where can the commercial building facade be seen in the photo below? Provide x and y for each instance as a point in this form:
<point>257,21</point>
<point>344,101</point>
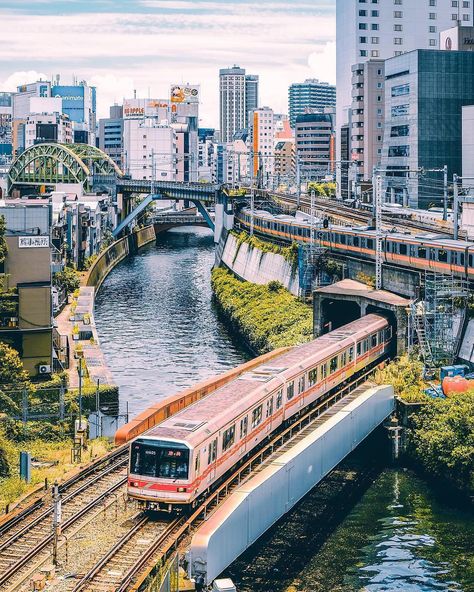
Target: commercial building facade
<point>263,142</point>
<point>238,97</point>
<point>384,29</point>
<point>310,95</point>
<point>26,322</point>
<point>425,93</point>
<point>314,143</point>
<point>111,135</point>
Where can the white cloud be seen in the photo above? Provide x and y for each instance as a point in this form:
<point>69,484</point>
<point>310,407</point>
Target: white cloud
<point>121,52</point>
<point>16,79</point>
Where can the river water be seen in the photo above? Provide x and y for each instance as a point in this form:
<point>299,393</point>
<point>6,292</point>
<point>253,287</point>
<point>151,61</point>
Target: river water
<point>160,333</point>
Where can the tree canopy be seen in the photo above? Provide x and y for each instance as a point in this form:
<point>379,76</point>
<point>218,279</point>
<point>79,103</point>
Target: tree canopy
<point>3,242</point>
<point>12,372</point>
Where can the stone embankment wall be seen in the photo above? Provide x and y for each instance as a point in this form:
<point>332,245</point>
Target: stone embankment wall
<point>251,264</point>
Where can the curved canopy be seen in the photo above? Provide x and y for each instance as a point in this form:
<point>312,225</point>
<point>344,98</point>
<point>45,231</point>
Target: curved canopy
<point>60,163</point>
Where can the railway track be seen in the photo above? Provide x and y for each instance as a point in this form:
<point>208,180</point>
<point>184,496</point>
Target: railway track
<point>148,544</point>
<point>25,540</point>
<point>342,211</point>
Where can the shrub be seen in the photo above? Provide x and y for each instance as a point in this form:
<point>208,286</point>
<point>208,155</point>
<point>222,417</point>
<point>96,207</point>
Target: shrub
<point>289,253</point>
<point>68,280</point>
<point>266,316</point>
<point>442,440</point>
<point>406,376</point>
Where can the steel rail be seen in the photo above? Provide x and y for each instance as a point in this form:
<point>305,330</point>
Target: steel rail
<point>15,567</point>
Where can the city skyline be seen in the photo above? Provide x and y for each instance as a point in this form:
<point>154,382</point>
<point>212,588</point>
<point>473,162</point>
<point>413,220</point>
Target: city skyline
<point>149,44</point>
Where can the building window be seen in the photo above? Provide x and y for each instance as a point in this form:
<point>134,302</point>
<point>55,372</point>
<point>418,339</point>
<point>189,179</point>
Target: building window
<point>397,53</point>
<point>432,16</point>
<point>363,26</point>
<point>401,89</point>
<point>363,53</point>
<point>432,42</point>
<point>374,13</point>
<point>374,40</point>
<point>465,17</point>
<point>397,40</point>
<point>362,13</point>
<point>454,3</point>
<point>432,29</point>
<point>397,14</point>
<point>432,2</point>
<point>398,151</point>
<point>374,26</point>
<point>465,4</point>
<point>398,27</point>
<point>362,39</point>
<point>454,17</point>
<point>375,53</point>
<point>400,110</point>
<point>398,131</point>
<point>397,1</point>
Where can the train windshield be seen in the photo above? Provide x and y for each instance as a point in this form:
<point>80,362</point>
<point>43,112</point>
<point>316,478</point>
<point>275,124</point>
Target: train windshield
<point>155,458</point>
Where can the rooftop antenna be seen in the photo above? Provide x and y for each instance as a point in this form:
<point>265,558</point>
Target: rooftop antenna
<point>134,93</point>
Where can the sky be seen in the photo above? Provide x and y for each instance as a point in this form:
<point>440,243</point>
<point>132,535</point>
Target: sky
<point>147,45</point>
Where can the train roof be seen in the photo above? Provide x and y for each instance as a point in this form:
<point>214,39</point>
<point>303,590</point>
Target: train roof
<point>437,239</point>
<point>197,422</point>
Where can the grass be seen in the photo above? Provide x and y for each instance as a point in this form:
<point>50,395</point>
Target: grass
<point>266,316</point>
<point>12,487</point>
<point>289,253</point>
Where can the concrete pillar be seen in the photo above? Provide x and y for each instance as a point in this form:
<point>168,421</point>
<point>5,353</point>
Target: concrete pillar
<point>392,195</point>
<point>317,315</point>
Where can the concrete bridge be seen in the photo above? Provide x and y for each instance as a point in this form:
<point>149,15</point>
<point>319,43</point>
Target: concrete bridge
<point>163,222</point>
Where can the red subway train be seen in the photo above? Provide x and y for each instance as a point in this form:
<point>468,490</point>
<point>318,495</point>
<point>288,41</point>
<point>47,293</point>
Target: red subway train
<point>176,463</point>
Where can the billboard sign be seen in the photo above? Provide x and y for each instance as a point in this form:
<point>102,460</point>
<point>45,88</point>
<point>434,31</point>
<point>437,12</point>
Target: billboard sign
<point>184,93</point>
<point>29,242</point>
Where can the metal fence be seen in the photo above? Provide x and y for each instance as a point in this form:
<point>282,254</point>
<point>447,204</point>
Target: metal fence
<point>167,577</point>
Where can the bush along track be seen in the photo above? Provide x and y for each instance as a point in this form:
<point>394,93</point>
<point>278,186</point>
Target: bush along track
<point>266,316</point>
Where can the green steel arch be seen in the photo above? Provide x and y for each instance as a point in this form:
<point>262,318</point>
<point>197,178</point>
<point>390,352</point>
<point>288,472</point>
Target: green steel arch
<point>51,163</point>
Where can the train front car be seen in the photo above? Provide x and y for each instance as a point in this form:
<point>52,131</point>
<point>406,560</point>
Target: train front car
<point>159,473</point>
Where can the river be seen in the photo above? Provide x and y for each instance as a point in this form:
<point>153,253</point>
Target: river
<point>160,333</point>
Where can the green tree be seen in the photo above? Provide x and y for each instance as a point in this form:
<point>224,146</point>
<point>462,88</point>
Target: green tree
<point>68,279</point>
<point>406,377</point>
<point>443,439</point>
<point>12,371</point>
<point>3,242</point>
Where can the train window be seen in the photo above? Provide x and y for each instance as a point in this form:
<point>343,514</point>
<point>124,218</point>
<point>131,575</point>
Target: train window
<point>402,248</point>
<point>257,416</point>
<point>342,239</point>
<point>351,354</point>
<point>197,462</point>
<point>359,348</point>
<point>333,365</point>
<point>388,333</point>
<point>290,390</point>
<point>165,460</point>
<point>228,437</point>
<point>373,340</point>
<point>343,359</point>
<point>324,371</point>
<point>313,376</point>
<point>301,384</point>
<point>269,407</point>
<point>370,244</point>
<point>244,425</point>
<point>355,241</point>
<point>279,400</point>
<point>471,260</point>
<point>461,258</point>
<point>421,252</point>
<point>442,256</point>
<point>212,454</point>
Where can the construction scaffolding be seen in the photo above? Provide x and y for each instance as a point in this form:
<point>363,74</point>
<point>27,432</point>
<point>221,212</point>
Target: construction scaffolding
<point>438,320</point>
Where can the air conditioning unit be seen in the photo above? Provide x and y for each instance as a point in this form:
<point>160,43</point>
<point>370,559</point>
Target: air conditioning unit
<point>44,369</point>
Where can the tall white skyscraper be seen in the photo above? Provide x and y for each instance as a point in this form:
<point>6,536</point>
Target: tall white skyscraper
<point>374,29</point>
<point>238,96</point>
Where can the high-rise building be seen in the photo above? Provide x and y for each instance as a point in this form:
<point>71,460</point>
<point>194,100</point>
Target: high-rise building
<point>111,134</point>
<point>263,142</point>
<point>425,92</point>
<point>367,117</point>
<point>309,96</point>
<point>385,29</point>
<point>79,103</point>
<point>234,104</point>
<point>251,95</point>
<point>314,137</point>
<point>6,119</point>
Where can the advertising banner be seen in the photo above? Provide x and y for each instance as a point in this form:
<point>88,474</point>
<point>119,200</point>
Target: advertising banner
<point>184,93</point>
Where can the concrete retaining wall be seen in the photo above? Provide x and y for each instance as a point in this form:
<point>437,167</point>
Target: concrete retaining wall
<point>257,267</point>
<point>397,280</point>
<point>257,504</point>
<point>107,260</point>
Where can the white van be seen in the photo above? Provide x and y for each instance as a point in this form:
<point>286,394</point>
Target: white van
<point>224,585</point>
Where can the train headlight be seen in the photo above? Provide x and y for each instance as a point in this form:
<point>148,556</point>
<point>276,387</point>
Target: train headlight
<point>181,489</point>
<point>134,483</point>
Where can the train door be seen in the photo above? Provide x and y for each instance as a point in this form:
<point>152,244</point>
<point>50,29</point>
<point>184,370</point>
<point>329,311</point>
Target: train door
<point>268,415</point>
<point>301,389</point>
<point>244,428</point>
<point>212,460</point>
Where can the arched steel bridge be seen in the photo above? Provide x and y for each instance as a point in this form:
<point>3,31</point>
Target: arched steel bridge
<point>51,163</point>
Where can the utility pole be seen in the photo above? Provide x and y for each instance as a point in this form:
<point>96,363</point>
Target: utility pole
<point>56,521</point>
<point>445,192</point>
<point>455,206</point>
<point>80,393</point>
<point>298,181</point>
<point>378,229</point>
<point>252,195</point>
